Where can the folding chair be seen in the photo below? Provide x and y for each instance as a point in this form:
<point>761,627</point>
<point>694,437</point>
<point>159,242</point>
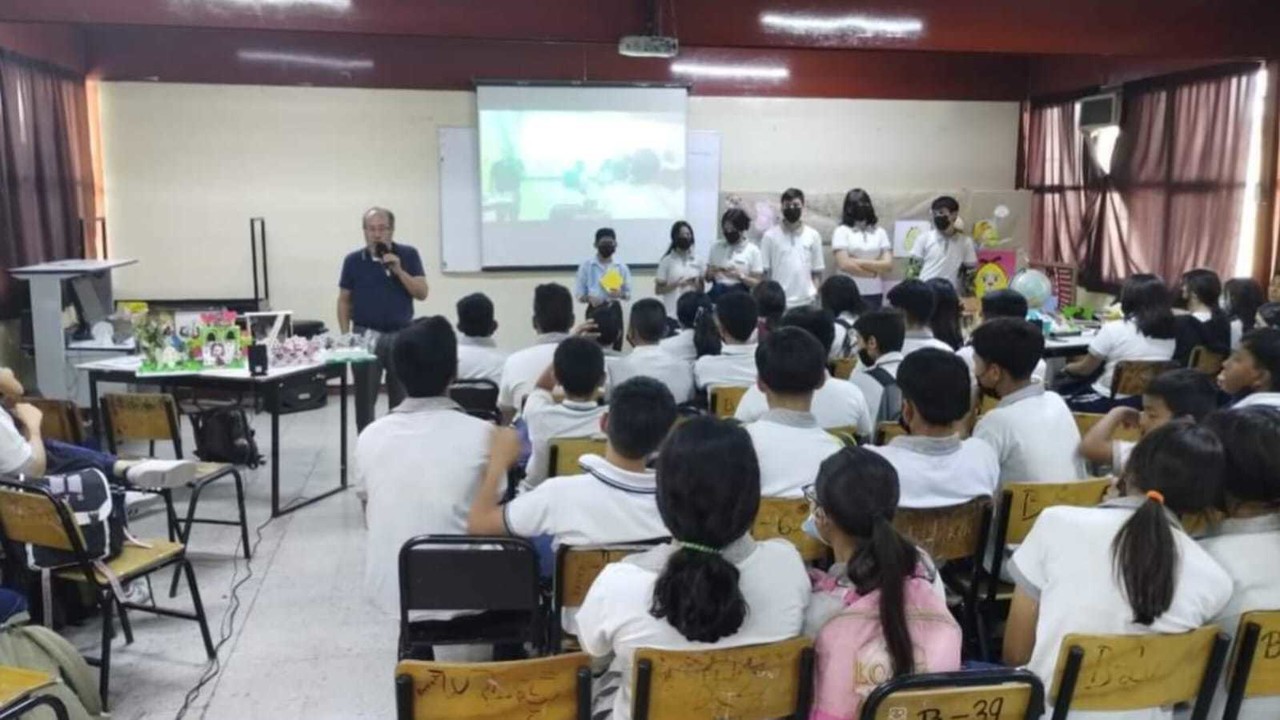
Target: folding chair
<point>61,420</point>
<point>551,688</point>
<point>567,452</point>
<point>496,578</point>
<point>843,367</point>
<point>724,400</point>
<point>17,694</point>
<point>1108,673</point>
<point>1086,421</point>
<point>29,514</point>
<point>1132,377</point>
<point>753,682</point>
<point>479,398</point>
<point>576,569</point>
<point>1006,694</point>
<point>784,518</point>
<point>1256,671</point>
<point>846,434</point>
<point>887,431</point>
<point>1205,360</point>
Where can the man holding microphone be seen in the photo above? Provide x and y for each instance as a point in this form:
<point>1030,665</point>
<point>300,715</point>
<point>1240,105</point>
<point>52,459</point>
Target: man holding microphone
<point>378,285</point>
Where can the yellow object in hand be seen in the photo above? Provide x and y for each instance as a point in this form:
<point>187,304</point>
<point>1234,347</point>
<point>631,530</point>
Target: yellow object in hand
<point>612,280</point>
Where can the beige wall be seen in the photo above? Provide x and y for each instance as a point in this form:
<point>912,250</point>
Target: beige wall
<point>186,166</point>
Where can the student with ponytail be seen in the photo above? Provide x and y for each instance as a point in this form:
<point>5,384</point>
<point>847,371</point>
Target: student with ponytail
<point>876,613</point>
<point>713,586</point>
<point>1125,567</point>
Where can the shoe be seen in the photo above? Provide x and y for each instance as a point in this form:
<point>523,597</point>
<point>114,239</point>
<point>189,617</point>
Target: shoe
<point>137,593</point>
<point>160,474</point>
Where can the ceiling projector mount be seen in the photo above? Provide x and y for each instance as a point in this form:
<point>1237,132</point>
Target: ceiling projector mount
<point>652,44</point>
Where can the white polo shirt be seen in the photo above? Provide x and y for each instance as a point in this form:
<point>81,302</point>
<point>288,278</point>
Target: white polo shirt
<point>1066,563</point>
<point>871,388</point>
<point>1035,437</point>
<point>681,345</point>
<point>654,362</point>
<point>942,257</point>
<point>745,257</point>
<point>420,465</point>
<point>675,267</point>
<point>920,339</point>
<point>735,366</point>
<point>615,619</point>
<point>523,368</point>
<point>480,359</point>
<point>547,420</point>
<point>1121,340</point>
<point>937,472</point>
<point>836,404</point>
<point>15,452</point>
<point>605,504</point>
<point>790,447</point>
<point>862,244</point>
<point>791,258</point>
<point>1269,399</point>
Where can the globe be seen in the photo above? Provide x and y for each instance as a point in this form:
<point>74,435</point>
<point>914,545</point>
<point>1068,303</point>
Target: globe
<point>1034,286</point>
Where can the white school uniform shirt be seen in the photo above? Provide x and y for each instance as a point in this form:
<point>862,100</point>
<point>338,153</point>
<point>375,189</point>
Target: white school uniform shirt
<point>920,339</point>
<point>1242,546</point>
<point>1269,399</point>
<point>681,345</point>
<point>420,465</point>
<point>745,257</point>
<point>791,258</point>
<point>615,619</point>
<point>937,472</point>
<point>837,342</point>
<point>871,388</point>
<point>942,257</point>
<point>547,420</point>
<point>654,362</point>
<point>837,404</point>
<point>480,359</point>
<point>15,451</point>
<point>790,446</point>
<point>1035,437</point>
<point>1037,375</point>
<point>523,368</point>
<point>674,267</point>
<point>1121,340</point>
<point>1066,564</point>
<point>735,366</point>
<point>862,244</point>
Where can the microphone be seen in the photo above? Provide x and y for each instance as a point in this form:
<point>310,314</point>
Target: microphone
<point>378,252</point>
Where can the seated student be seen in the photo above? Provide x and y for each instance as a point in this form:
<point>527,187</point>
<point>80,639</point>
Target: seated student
<point>647,358</point>
<point>880,334</point>
<point>610,502</point>
<point>916,301</point>
<point>478,356</point>
<point>607,318</point>
<point>1124,567</point>
<point>578,367</point>
<point>875,615</point>
<point>945,323</point>
<point>1243,303</point>
<point>420,465</point>
<point>840,297</point>
<point>1003,304</point>
<point>1205,324</point>
<point>688,308</point>
<point>937,468</point>
<point>771,303</point>
<point>789,441</point>
<point>553,319</point>
<point>836,403</point>
<point>1146,333</point>
<point>1181,394</point>
<point>1268,316</point>
<point>1249,537</point>
<point>1032,430</point>
<point>1251,375</point>
<point>735,366</point>
<point>713,586</point>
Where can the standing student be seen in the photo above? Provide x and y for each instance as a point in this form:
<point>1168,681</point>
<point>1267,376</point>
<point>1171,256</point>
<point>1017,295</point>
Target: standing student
<point>688,309</point>
<point>917,302</point>
<point>771,303</point>
<point>880,336</point>
<point>1124,567</point>
<point>679,271</point>
<point>647,358</point>
<point>478,356</point>
<point>875,615</point>
<point>713,586</point>
<point>1244,297</point>
<point>735,262</point>
<point>935,466</point>
<point>1003,304</point>
<point>1251,375</point>
<point>945,322</point>
<point>552,319</point>
<point>588,286</point>
<point>861,247</point>
<point>788,440</point>
<point>1031,429</point>
<point>1182,394</point>
<point>944,251</point>
<point>735,366</point>
<point>578,367</point>
<point>840,297</point>
<point>792,252</point>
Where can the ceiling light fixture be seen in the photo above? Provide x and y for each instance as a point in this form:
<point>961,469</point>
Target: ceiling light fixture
<point>862,25</point>
<point>338,5</point>
<point>734,72</point>
<point>328,62</point>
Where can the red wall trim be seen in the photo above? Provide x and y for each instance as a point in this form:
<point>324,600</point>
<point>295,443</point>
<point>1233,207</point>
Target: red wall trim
<point>61,45</point>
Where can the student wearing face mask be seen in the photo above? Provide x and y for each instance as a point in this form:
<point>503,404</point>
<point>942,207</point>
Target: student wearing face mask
<point>861,247</point>
<point>679,271</point>
<point>590,286</point>
<point>945,252</point>
<point>734,262</point>
<point>792,253</point>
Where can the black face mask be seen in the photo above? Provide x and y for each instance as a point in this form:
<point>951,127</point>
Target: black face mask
<point>606,250</point>
<point>733,236</point>
<point>684,243</point>
<point>865,359</point>
<point>941,222</point>
<point>862,215</point>
<point>791,214</point>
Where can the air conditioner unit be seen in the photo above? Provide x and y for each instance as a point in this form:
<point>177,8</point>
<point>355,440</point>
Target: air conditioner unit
<point>1100,111</point>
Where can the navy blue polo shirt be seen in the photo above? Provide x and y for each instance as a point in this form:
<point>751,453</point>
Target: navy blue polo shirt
<point>379,302</point>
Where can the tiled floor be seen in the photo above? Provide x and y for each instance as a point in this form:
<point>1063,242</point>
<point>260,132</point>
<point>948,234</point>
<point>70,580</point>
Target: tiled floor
<point>305,644</point>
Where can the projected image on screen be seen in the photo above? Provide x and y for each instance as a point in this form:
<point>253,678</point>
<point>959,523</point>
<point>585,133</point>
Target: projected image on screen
<point>597,166</point>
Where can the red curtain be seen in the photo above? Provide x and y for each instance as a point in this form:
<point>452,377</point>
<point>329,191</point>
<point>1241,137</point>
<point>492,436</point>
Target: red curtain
<point>46,170</point>
<point>1055,171</point>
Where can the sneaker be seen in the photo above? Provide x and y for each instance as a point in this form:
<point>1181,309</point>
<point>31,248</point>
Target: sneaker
<point>161,473</point>
<point>137,593</point>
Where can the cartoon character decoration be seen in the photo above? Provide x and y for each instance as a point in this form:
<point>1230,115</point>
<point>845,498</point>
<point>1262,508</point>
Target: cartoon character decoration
<point>216,341</point>
<point>990,276</point>
<point>220,346</point>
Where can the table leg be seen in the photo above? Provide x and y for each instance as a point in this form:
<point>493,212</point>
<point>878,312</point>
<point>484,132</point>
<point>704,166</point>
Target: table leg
<point>93,408</point>
<point>342,403</point>
<point>274,391</point>
<point>273,398</point>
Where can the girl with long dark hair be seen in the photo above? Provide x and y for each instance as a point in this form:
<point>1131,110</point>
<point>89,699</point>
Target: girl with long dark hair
<point>734,263</point>
<point>679,271</point>
<point>1205,323</point>
<point>861,247</point>
<point>945,322</point>
<point>1244,297</point>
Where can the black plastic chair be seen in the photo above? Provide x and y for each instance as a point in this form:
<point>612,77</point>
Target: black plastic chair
<point>479,398</point>
<point>1006,692</point>
<point>494,579</point>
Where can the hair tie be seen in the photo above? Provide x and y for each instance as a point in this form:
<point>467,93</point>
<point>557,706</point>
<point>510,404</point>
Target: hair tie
<point>699,548</point>
<point>1155,495</point>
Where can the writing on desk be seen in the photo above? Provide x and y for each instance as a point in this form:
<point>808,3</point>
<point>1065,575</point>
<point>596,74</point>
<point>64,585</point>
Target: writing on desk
<point>478,692</point>
<point>981,709</point>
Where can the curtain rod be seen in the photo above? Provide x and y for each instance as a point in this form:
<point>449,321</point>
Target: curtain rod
<point>42,65</point>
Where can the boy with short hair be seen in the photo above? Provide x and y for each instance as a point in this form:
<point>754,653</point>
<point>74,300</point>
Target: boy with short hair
<point>1173,395</point>
<point>735,366</point>
<point>647,358</point>
<point>478,356</point>
<point>1032,430</point>
<point>944,251</point>
<point>1003,303</point>
<point>553,319</point>
<point>792,252</point>
<point>880,335</point>
<point>578,367</point>
<point>916,301</point>
<point>935,466</point>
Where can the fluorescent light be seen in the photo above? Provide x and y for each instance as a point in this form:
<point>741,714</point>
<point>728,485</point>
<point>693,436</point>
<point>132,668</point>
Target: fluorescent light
<point>744,72</point>
<point>339,5</point>
<point>843,24</point>
<point>328,62</point>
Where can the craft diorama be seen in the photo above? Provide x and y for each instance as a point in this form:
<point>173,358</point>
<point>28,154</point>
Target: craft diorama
<point>216,343</point>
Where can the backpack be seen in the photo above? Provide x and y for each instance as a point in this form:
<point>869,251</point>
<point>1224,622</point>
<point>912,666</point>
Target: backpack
<point>890,409</point>
<point>38,648</point>
<point>224,435</point>
<point>846,345</point>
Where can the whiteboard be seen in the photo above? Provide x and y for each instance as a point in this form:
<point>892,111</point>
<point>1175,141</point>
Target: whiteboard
<point>460,195</point>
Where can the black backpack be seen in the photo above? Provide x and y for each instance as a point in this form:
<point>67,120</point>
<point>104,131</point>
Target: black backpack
<point>224,435</point>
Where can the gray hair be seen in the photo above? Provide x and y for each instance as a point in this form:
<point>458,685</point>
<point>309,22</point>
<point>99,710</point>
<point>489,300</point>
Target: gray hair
<point>391,217</point>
